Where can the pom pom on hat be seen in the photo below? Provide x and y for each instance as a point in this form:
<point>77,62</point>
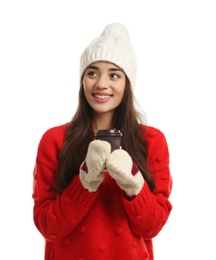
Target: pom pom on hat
<point>116,30</point>
<point>113,45</point>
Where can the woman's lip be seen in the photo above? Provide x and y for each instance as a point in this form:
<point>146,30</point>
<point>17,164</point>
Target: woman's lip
<point>101,98</point>
<point>101,93</point>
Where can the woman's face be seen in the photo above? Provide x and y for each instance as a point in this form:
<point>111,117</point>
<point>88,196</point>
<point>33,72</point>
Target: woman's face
<point>104,84</point>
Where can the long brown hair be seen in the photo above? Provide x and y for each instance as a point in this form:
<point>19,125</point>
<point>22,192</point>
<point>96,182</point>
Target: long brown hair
<point>79,134</point>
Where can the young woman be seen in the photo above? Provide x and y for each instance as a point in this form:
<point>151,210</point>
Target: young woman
<point>82,211</point>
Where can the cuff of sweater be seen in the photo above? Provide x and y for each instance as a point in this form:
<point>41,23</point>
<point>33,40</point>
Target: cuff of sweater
<point>132,204</point>
<point>76,192</point>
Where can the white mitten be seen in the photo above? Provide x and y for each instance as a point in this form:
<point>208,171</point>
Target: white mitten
<point>90,173</point>
<point>120,166</point>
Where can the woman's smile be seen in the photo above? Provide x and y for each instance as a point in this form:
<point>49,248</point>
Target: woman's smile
<point>101,97</point>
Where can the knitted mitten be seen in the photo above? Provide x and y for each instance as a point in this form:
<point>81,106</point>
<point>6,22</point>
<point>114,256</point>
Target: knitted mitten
<point>90,174</point>
<point>120,166</point>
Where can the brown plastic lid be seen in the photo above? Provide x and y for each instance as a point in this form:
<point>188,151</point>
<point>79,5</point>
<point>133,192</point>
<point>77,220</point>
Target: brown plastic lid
<point>109,132</point>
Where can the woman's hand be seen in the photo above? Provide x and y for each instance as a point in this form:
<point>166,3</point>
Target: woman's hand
<point>91,175</point>
<point>120,166</point>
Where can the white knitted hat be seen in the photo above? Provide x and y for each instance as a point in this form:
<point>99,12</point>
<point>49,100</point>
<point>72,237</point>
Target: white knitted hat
<point>113,45</point>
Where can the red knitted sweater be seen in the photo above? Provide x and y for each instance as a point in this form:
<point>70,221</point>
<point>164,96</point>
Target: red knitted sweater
<point>79,225</point>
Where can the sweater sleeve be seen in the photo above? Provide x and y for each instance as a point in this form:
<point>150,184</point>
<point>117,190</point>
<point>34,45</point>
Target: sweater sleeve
<point>56,215</point>
<point>149,211</point>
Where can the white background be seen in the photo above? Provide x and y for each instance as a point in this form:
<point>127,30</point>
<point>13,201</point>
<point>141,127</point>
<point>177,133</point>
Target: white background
<point>40,46</point>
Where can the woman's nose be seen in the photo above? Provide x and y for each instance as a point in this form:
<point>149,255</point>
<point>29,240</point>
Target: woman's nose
<point>102,82</point>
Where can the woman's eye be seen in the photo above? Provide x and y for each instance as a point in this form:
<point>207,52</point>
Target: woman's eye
<point>115,76</point>
<point>92,73</point>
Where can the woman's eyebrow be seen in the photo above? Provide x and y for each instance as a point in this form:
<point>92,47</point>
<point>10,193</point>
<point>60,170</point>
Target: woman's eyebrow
<point>92,67</point>
<point>111,69</point>
<point>116,69</point>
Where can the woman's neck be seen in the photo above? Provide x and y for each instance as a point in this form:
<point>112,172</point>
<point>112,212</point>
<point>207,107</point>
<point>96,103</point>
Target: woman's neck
<point>102,122</point>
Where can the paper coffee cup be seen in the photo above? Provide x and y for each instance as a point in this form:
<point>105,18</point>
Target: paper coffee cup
<point>113,136</point>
